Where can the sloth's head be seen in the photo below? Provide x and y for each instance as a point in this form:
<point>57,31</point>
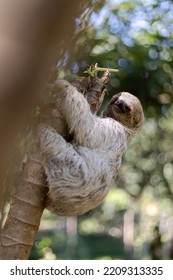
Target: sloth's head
<point>126,109</point>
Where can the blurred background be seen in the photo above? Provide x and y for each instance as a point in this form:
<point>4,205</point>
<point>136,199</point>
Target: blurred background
<point>135,221</point>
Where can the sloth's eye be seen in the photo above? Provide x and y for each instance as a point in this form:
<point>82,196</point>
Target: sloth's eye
<point>123,106</point>
<point>115,98</point>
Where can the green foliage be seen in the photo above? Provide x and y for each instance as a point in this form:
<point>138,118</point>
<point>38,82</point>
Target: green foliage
<point>137,38</point>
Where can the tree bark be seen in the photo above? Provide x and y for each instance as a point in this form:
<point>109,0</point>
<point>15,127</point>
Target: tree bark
<point>25,212</point>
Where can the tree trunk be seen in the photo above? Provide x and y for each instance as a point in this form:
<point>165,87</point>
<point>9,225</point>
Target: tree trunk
<point>26,209</point>
<point>31,33</point>
<point>25,212</point>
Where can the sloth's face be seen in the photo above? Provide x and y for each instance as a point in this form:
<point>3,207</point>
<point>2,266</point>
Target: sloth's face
<point>126,109</point>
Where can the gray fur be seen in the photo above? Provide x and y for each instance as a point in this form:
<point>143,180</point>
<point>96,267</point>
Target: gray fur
<point>80,173</point>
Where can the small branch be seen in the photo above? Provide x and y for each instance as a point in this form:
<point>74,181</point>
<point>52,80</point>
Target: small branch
<point>110,70</point>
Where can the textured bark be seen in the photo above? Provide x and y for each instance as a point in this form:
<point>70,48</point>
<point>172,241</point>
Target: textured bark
<point>26,209</point>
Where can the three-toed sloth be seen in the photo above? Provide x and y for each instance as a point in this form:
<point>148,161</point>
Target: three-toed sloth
<point>80,173</point>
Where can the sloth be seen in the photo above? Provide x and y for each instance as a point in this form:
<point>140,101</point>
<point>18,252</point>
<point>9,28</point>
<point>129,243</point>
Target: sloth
<point>79,174</point>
